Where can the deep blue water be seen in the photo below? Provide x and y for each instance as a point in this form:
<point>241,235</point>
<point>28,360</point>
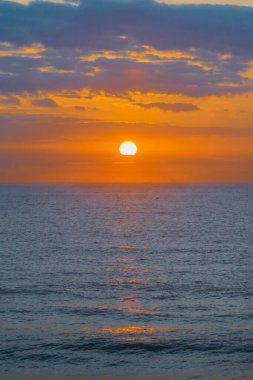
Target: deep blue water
<point>138,280</point>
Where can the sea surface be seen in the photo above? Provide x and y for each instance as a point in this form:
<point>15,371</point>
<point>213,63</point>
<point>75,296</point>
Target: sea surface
<point>126,281</point>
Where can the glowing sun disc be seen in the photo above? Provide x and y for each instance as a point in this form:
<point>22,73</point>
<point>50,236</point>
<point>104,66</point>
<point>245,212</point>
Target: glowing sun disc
<point>128,148</point>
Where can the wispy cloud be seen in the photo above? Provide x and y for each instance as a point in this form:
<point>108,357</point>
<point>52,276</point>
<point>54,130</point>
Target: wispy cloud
<point>44,102</point>
<point>174,107</point>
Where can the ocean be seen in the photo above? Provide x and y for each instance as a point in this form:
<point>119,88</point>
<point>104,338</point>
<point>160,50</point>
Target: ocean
<point>126,281</point>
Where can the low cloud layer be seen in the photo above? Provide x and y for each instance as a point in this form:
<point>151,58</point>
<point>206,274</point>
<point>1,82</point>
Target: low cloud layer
<point>174,107</point>
<point>44,103</point>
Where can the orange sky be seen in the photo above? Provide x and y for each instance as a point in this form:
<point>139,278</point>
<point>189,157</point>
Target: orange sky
<point>65,110</point>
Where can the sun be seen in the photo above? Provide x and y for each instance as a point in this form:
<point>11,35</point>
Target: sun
<point>128,148</point>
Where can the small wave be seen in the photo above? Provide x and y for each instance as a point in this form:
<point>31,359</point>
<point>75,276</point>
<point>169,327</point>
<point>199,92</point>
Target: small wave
<point>31,291</point>
<point>126,247</point>
<point>133,346</point>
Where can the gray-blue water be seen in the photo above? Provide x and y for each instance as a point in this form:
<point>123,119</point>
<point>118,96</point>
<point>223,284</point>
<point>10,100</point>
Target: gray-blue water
<point>126,281</point>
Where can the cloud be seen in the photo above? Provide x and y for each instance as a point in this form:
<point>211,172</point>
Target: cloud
<point>44,103</point>
<point>100,45</point>
<point>10,101</point>
<point>118,76</point>
<point>174,107</point>
<point>248,72</point>
<point>30,129</point>
<point>97,24</point>
<point>7,49</point>
<point>142,54</point>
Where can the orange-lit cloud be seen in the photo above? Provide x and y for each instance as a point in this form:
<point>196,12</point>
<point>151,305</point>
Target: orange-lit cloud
<point>31,51</point>
<point>248,73</point>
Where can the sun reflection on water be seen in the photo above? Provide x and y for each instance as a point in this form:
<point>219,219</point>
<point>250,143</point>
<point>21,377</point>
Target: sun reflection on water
<point>130,333</point>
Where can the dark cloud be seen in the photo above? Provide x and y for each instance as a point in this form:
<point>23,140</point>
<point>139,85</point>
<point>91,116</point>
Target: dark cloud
<point>10,101</point>
<point>174,107</point>
<point>44,103</point>
<point>118,76</point>
<point>80,108</point>
<point>98,24</point>
<point>70,32</point>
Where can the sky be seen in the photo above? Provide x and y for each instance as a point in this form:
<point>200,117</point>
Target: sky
<point>79,77</point>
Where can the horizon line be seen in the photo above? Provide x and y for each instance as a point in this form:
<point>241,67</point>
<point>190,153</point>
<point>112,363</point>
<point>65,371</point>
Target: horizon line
<point>128,182</point>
